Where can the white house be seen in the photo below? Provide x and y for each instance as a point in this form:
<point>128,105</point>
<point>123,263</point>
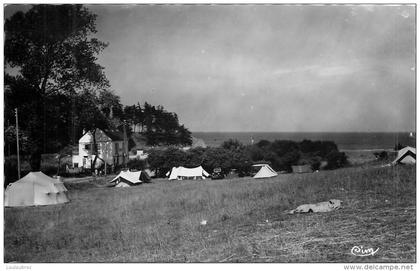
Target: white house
<point>110,149</point>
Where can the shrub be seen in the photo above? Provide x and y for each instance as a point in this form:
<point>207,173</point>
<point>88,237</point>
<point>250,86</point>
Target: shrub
<point>10,170</point>
<point>283,147</point>
<point>136,164</point>
<point>232,144</point>
<point>313,161</point>
<point>288,160</point>
<point>232,154</point>
<point>217,157</point>
<point>336,159</point>
<point>383,155</point>
<point>263,143</point>
<point>163,160</point>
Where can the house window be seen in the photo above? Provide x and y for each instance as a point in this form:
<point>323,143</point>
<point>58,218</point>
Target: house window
<point>88,147</point>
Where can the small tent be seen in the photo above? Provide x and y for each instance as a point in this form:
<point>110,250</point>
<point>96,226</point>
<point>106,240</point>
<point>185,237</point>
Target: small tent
<point>302,169</point>
<point>130,178</point>
<point>181,173</point>
<point>35,188</point>
<point>173,173</point>
<point>406,155</point>
<point>265,171</point>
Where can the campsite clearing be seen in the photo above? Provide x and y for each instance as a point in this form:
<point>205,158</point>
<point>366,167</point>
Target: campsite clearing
<point>245,220</point>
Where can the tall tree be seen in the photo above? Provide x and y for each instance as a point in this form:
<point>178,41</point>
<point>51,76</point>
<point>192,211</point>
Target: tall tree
<point>110,104</point>
<point>91,118</point>
<point>53,51</point>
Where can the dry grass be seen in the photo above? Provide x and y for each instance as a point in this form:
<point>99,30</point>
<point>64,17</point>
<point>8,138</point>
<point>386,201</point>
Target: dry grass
<point>160,222</point>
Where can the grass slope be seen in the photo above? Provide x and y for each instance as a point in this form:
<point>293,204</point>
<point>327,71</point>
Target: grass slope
<point>160,222</point>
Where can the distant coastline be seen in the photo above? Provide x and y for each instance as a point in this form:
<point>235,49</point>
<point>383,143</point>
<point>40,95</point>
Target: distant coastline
<point>368,141</point>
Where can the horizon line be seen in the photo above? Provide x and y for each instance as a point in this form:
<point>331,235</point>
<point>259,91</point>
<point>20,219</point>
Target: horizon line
<point>304,131</point>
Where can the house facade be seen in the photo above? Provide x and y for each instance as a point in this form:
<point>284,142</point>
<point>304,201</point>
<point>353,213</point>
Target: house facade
<point>111,149</point>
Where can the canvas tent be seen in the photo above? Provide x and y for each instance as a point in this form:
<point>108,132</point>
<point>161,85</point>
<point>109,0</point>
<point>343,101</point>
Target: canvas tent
<point>302,169</point>
<point>265,171</point>
<point>35,188</point>
<point>406,155</point>
<point>180,173</point>
<point>130,178</point>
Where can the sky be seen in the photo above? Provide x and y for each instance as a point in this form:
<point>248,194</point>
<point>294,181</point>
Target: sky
<point>282,68</point>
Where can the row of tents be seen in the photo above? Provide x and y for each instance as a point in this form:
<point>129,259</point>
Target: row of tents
<point>127,178</point>
<point>36,188</point>
<point>198,173</point>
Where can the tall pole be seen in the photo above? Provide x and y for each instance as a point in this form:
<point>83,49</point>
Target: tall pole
<point>106,155</point>
<point>17,142</point>
<point>125,149</point>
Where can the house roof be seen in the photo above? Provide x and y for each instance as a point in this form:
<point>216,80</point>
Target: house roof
<point>115,135</point>
<point>102,136</point>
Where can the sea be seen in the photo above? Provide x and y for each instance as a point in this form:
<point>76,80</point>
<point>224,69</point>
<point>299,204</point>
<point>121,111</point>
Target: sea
<point>345,141</point>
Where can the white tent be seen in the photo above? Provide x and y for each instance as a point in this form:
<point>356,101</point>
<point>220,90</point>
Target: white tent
<point>265,171</point>
<point>173,173</point>
<point>129,178</point>
<point>187,173</point>
<point>406,155</point>
<point>35,188</point>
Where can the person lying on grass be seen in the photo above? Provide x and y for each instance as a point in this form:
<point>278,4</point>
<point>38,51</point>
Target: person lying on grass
<point>325,206</point>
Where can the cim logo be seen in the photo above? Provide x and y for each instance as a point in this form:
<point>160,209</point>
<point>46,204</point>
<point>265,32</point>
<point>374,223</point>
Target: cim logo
<point>363,252</point>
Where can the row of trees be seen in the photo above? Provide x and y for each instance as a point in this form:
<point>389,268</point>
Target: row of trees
<point>53,79</point>
<point>232,154</point>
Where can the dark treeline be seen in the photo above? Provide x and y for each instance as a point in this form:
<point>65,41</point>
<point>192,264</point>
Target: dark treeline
<point>157,125</point>
<point>68,115</point>
<point>280,154</point>
<point>52,77</point>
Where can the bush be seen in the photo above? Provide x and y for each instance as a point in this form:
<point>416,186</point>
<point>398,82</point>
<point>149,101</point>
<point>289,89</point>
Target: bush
<point>313,161</point>
<point>284,147</point>
<point>217,157</point>
<point>336,159</point>
<point>10,170</point>
<point>288,160</point>
<point>136,164</point>
<point>232,154</point>
<point>383,155</point>
<point>163,160</point>
<point>232,144</point>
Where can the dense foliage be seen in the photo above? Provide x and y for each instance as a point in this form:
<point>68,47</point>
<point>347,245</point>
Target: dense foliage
<point>53,79</point>
<point>280,154</point>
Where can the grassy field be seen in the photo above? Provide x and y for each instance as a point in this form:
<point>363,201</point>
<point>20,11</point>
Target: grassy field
<point>160,222</point>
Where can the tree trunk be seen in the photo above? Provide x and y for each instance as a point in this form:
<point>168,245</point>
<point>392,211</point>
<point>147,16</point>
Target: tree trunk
<point>35,159</point>
<point>44,126</point>
<point>94,151</point>
<point>59,163</point>
<point>36,137</point>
